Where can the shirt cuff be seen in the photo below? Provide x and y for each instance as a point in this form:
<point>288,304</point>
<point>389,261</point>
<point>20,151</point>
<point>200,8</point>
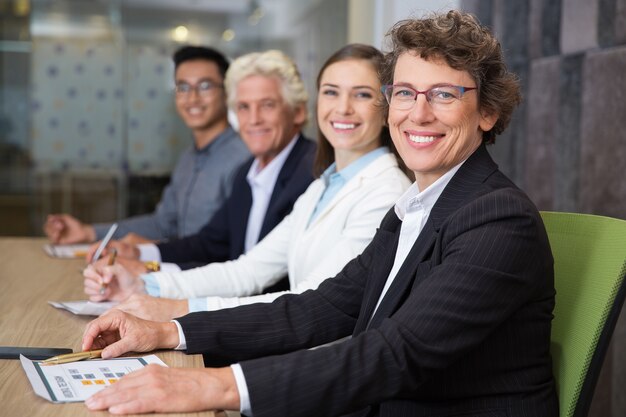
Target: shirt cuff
<point>149,252</point>
<point>244,406</point>
<point>151,285</point>
<point>182,345</point>
<point>197,304</point>
<point>170,267</point>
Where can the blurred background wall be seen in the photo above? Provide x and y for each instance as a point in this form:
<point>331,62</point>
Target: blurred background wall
<point>87,117</point>
<point>566,145</point>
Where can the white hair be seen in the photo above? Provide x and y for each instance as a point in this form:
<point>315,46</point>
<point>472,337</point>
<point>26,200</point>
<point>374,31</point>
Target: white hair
<point>272,63</point>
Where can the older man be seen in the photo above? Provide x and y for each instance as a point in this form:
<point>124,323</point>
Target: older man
<point>204,174</point>
<point>267,94</point>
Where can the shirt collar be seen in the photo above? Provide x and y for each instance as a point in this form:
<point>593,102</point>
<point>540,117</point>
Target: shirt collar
<point>267,176</point>
<point>330,174</point>
<point>413,199</point>
<point>222,136</point>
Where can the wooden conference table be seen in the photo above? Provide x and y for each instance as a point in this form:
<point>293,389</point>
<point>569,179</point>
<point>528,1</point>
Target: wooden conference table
<point>28,279</point>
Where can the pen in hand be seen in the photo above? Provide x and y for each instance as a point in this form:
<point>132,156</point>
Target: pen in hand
<point>72,357</point>
<point>112,255</point>
<point>104,243</point>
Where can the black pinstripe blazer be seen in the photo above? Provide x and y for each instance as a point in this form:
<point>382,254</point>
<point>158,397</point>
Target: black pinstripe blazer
<point>464,329</point>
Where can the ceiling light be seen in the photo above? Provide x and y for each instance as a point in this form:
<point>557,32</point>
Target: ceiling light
<point>228,35</point>
<point>180,34</point>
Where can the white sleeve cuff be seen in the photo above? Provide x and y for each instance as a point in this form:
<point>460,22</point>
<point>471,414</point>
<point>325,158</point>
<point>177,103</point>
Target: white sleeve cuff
<point>197,304</point>
<point>240,380</point>
<point>182,345</point>
<point>149,252</point>
<point>242,387</point>
<point>169,267</point>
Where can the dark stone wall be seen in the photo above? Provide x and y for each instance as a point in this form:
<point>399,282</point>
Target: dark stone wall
<point>603,150</point>
<point>566,145</point>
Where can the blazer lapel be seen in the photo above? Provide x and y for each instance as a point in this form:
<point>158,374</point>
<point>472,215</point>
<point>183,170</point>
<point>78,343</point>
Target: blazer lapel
<point>461,187</point>
<point>278,193</point>
<point>385,243</point>
<point>373,169</point>
<point>345,191</point>
<point>420,251</point>
<point>241,198</point>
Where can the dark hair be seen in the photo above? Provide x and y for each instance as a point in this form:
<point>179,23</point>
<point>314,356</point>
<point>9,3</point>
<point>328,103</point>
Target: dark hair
<point>465,45</point>
<point>325,154</point>
<point>191,53</point>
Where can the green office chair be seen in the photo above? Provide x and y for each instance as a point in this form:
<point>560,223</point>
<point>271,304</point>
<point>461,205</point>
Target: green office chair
<point>589,266</point>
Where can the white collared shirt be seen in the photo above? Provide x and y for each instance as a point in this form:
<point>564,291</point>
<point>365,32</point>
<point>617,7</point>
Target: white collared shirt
<point>262,186</point>
<point>262,181</point>
<point>413,209</point>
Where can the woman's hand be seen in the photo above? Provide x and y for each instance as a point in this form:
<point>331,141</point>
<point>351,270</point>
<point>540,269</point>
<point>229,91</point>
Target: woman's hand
<point>113,282</point>
<point>124,250</point>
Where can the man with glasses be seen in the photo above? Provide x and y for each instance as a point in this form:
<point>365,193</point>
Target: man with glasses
<point>204,174</point>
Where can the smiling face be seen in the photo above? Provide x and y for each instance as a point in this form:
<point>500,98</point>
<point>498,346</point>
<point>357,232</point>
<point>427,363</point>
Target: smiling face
<point>346,109</point>
<point>431,142</point>
<point>267,123</point>
<point>206,111</point>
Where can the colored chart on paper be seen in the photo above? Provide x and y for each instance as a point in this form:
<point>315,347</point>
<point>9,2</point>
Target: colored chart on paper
<point>77,381</point>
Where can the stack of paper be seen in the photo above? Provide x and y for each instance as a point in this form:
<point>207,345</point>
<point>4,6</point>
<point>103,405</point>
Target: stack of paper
<point>85,308</point>
<point>66,251</point>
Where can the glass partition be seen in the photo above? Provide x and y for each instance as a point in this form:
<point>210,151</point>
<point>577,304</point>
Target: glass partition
<point>87,118</point>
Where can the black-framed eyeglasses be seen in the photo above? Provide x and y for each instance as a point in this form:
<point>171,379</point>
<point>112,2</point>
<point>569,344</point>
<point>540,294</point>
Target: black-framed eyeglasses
<point>403,97</point>
<point>203,88</point>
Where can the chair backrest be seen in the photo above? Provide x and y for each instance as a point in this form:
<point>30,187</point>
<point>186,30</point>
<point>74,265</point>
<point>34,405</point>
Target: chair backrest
<point>589,266</point>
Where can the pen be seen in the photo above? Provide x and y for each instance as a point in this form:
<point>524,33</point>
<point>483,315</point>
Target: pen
<point>104,242</point>
<point>111,261</point>
<point>72,357</point>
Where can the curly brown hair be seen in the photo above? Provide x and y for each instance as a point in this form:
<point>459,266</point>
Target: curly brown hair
<point>465,45</point>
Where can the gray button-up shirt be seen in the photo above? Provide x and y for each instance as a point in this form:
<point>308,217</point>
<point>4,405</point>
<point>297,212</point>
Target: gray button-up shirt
<point>201,182</point>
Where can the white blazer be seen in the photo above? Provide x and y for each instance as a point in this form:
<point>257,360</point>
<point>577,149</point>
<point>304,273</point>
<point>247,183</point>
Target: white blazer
<point>308,255</point>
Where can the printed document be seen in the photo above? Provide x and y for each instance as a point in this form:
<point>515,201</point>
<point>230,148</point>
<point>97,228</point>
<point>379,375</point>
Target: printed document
<point>77,381</point>
<point>84,308</point>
